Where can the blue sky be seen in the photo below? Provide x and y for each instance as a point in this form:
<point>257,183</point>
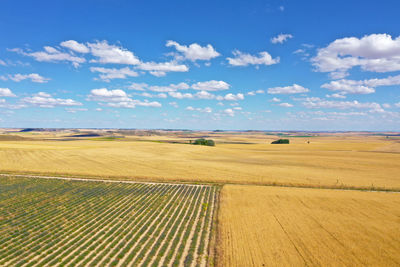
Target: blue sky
<point>264,65</point>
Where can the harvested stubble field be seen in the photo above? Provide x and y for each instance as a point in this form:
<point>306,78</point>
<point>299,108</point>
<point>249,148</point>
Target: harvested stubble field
<point>272,226</point>
<point>328,161</point>
<point>52,222</point>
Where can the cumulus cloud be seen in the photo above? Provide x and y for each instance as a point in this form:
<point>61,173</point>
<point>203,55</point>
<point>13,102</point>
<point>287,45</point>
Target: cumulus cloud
<point>336,95</point>
<point>275,99</point>
<point>203,110</point>
<point>179,95</point>
<point>253,93</point>
<point>118,99</point>
<point>375,52</point>
<point>348,86</point>
<point>3,63</point>
<point>156,88</point>
<point>107,74</point>
<point>285,105</point>
<point>34,77</point>
<point>74,110</point>
<point>174,104</point>
<point>321,103</point>
<point>6,92</point>
<point>51,54</point>
<point>106,53</point>
<point>233,97</point>
<point>281,38</point>
<point>159,95</point>
<point>211,85</point>
<point>244,59</point>
<point>45,100</point>
<point>362,86</point>
<point>194,51</point>
<point>161,69</point>
<point>75,46</point>
<point>229,112</point>
<point>206,96</point>
<point>292,89</point>
<point>201,86</point>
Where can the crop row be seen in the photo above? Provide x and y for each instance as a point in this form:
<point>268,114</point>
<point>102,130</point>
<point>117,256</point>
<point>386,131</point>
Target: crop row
<point>50,222</point>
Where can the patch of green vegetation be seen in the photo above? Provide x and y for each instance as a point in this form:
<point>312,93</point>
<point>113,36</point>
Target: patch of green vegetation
<point>280,141</point>
<point>204,142</point>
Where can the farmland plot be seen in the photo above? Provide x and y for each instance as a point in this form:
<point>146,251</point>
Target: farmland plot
<point>50,222</point>
<point>277,226</point>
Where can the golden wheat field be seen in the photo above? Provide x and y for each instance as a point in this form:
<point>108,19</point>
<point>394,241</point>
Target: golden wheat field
<point>257,224</point>
<point>273,226</point>
<point>330,161</point>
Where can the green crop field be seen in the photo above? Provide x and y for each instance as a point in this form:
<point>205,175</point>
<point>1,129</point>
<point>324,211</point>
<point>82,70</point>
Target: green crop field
<point>54,222</point>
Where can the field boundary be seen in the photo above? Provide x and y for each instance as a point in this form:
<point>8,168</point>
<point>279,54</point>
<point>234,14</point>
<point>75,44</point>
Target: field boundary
<point>95,180</point>
<point>142,180</point>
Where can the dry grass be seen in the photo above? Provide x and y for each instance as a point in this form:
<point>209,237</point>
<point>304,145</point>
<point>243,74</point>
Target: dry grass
<point>333,161</point>
<point>272,226</point>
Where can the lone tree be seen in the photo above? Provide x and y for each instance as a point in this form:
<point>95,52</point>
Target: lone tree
<point>280,141</point>
<point>204,142</point>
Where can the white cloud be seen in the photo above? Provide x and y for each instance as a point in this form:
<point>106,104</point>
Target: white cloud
<point>112,73</point>
<point>244,59</point>
<point>253,93</point>
<point>75,46</point>
<point>160,69</point>
<point>348,86</point>
<point>51,54</point>
<point>194,51</point>
<point>233,97</point>
<point>6,92</point>
<point>156,88</point>
<point>397,104</point>
<point>3,63</point>
<point>229,112</point>
<point>286,105</point>
<point>336,95</point>
<point>360,87</point>
<point>320,103</point>
<point>211,85</point>
<point>174,104</point>
<point>293,89</point>
<point>106,53</point>
<point>118,99</point>
<point>45,100</point>
<point>105,95</point>
<point>375,52</point>
<point>203,110</point>
<point>159,95</point>
<point>204,95</point>
<point>179,95</point>
<point>34,77</point>
<point>74,110</point>
<point>275,99</point>
<point>281,38</point>
<point>138,86</point>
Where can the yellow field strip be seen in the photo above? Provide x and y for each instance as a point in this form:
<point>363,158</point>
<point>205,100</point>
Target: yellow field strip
<point>275,226</point>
